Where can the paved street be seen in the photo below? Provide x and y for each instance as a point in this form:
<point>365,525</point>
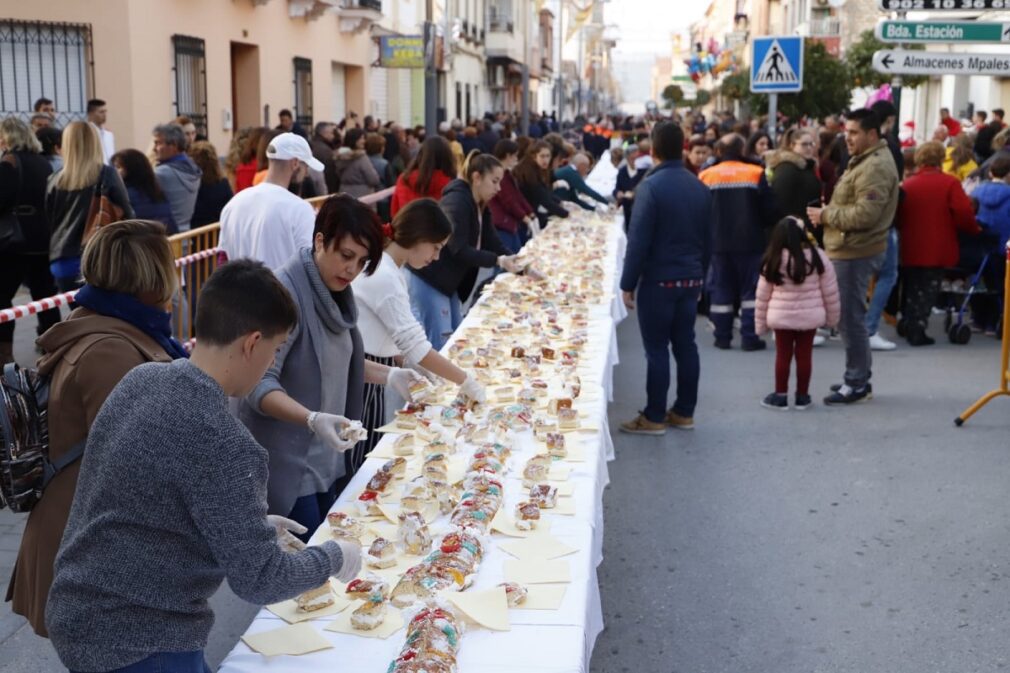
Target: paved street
<point>850,540</point>
<point>865,539</point>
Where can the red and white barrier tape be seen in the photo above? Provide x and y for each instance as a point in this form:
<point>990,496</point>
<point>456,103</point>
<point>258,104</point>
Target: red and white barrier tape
<point>197,256</point>
<point>9,314</point>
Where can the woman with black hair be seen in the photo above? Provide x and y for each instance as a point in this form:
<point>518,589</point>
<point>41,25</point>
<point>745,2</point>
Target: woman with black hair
<point>759,144</point>
<point>389,329</point>
<point>512,214</point>
<point>146,197</point>
<point>437,292</point>
<point>355,170</point>
<point>301,410</point>
<point>532,175</point>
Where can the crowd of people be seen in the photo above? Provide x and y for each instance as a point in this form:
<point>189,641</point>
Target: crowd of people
<point>318,321</point>
<point>369,288</point>
<point>841,225</point>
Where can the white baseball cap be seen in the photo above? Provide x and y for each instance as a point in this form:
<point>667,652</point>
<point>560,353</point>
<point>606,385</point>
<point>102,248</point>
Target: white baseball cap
<point>293,146</point>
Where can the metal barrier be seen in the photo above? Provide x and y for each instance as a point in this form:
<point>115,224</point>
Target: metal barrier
<point>1004,367</point>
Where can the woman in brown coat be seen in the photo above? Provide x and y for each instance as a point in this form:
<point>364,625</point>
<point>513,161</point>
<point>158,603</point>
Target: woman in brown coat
<point>122,321</point>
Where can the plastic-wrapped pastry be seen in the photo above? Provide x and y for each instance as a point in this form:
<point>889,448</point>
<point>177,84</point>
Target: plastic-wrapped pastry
<point>381,554</point>
<point>536,470</point>
<point>421,390</point>
<point>559,403</point>
<point>368,588</point>
<point>369,615</point>
<point>368,503</point>
<point>526,515</point>
<point>315,599</point>
<point>345,525</point>
<point>396,467</point>
<point>556,445</point>
<point>505,394</point>
<point>403,445</point>
<point>515,593</point>
<point>568,419</point>
<point>413,533</point>
<point>354,432</point>
<point>544,495</point>
<point>406,418</point>
<point>379,481</point>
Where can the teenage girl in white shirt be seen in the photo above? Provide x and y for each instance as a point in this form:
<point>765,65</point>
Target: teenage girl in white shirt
<point>389,330</point>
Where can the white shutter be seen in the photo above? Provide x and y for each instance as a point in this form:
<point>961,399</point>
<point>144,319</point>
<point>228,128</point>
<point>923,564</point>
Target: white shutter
<point>339,110</point>
<point>403,115</point>
<point>380,94</point>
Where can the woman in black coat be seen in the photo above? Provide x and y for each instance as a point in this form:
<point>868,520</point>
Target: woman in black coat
<point>23,175</point>
<point>627,179</point>
<point>532,174</point>
<point>794,175</point>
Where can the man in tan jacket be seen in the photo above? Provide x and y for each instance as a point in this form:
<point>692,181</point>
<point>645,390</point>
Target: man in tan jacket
<point>856,226</point>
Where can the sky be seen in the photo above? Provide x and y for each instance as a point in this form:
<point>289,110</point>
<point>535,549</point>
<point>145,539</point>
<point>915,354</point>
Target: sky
<point>645,25</point>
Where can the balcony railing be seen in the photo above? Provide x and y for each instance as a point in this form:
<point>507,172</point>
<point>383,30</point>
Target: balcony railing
<point>374,5</point>
<point>825,27</point>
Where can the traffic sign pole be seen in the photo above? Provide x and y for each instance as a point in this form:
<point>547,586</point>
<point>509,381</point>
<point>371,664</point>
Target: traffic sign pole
<point>773,113</point>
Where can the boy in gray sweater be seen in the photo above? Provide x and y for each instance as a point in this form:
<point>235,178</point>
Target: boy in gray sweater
<point>171,498</point>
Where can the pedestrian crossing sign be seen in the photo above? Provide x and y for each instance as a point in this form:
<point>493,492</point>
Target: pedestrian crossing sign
<point>777,65</point>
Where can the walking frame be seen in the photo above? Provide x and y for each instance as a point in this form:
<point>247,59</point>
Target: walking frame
<point>1004,369</point>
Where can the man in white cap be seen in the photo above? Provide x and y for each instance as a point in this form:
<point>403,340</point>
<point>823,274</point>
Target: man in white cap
<point>267,222</point>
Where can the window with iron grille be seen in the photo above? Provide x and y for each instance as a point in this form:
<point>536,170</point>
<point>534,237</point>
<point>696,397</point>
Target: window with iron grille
<point>191,80</point>
<point>45,60</point>
<point>303,93</point>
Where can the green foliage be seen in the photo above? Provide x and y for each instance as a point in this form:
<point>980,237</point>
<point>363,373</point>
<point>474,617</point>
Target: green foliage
<point>673,95</point>
<point>827,87</point>
<point>736,86</point>
<point>859,57</point>
<point>702,98</point>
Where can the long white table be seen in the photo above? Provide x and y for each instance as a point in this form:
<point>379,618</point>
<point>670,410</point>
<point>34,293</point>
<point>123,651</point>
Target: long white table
<point>558,641</point>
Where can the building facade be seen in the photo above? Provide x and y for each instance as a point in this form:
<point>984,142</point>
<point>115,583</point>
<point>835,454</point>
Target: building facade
<point>226,64</point>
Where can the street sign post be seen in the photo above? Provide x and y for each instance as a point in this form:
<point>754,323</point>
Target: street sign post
<point>947,32</point>
<point>942,5</point>
<point>776,67</point>
<point>901,62</point>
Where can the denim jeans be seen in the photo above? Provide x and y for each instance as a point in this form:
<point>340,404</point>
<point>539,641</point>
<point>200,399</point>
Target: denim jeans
<point>513,242</point>
<point>886,278</point>
<point>438,314</point>
<point>311,510</point>
<point>168,662</point>
<point>853,281</point>
<point>666,318</point>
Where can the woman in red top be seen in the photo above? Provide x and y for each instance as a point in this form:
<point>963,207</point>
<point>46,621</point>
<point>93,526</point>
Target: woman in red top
<point>248,163</point>
<point>427,174</point>
<point>511,213</point>
<point>935,207</point>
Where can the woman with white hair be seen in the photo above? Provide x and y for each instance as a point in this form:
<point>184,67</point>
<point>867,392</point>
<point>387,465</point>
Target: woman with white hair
<point>68,200</point>
<point>24,232</point>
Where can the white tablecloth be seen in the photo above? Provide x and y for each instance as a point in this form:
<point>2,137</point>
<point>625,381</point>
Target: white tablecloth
<point>558,641</point>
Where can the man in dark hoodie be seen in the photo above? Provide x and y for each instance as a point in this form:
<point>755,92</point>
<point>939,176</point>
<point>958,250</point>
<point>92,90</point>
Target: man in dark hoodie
<point>178,176</point>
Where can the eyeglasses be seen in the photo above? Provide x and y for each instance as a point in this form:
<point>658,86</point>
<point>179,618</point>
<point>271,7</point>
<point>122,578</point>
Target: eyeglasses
<point>806,144</point>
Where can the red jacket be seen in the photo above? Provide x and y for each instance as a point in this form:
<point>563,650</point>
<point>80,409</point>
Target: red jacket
<point>404,192</point>
<point>953,126</point>
<point>509,208</point>
<point>934,208</point>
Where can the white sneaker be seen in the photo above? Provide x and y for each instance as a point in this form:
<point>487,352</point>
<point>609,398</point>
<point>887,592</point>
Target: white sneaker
<point>879,343</point>
<point>819,340</point>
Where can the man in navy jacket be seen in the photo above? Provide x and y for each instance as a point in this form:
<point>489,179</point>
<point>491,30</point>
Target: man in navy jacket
<point>667,252</point>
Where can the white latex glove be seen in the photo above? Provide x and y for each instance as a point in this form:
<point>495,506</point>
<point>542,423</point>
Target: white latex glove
<point>508,262</point>
<point>400,379</point>
<point>284,528</point>
<point>472,389</point>
<point>328,427</point>
<point>602,208</point>
<point>560,184</point>
<point>351,566</point>
<point>534,225</point>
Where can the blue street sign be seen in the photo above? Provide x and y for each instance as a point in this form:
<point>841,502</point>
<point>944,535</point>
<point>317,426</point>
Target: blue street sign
<point>777,65</point>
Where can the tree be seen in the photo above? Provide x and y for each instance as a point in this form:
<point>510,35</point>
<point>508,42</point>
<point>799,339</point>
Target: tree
<point>859,58</point>
<point>673,95</point>
<point>736,86</point>
<point>827,87</point>
<point>702,97</point>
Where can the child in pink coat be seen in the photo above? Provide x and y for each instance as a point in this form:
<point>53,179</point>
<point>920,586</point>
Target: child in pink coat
<point>797,292</point>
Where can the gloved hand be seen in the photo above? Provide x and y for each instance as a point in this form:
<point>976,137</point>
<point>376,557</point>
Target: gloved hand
<point>400,379</point>
<point>349,569</point>
<point>560,184</point>
<point>534,225</point>
<point>284,528</point>
<point>508,262</point>
<point>328,427</point>
<point>472,389</point>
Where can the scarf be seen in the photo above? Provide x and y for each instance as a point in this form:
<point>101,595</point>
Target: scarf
<point>152,321</point>
<point>336,310</point>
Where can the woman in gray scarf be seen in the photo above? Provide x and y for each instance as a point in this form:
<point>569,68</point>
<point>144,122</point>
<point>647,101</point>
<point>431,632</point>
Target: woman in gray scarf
<point>299,412</point>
